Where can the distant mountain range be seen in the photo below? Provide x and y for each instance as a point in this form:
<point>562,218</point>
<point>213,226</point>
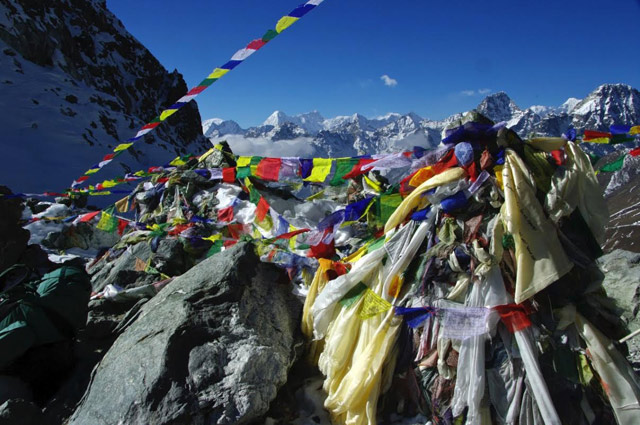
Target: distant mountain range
<point>357,135</point>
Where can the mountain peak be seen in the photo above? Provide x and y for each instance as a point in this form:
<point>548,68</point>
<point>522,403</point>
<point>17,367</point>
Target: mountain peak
<point>498,107</point>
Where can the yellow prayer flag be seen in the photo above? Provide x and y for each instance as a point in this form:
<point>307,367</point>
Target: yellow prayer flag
<point>321,169</point>
<point>243,161</point>
<point>635,129</point>
<point>109,183</point>
<point>206,155</point>
<point>122,147</point>
<point>498,170</point>
<point>599,140</point>
<point>217,73</point>
<point>284,23</point>
<point>316,195</point>
<point>373,185</point>
<point>167,113</point>
<point>91,171</point>
<point>372,305</point>
<point>213,238</point>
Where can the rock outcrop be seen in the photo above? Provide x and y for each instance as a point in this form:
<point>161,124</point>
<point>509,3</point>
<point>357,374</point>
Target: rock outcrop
<point>212,347</point>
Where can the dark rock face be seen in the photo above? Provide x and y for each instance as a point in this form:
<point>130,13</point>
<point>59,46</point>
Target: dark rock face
<point>91,46</point>
<point>212,347</point>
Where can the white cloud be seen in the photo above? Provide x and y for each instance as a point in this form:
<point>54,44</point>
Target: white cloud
<point>240,145</point>
<point>388,81</point>
<point>478,92</point>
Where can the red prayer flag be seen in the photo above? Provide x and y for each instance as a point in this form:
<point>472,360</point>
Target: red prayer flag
<point>558,156</point>
<point>292,234</point>
<point>447,161</point>
<point>236,230</point>
<point>262,209</point>
<point>514,316</point>
<point>591,134</point>
<point>229,174</point>
<point>357,169</point>
<point>225,214</point>
<point>269,169</point>
<point>88,216</point>
<point>122,224</point>
<point>634,152</point>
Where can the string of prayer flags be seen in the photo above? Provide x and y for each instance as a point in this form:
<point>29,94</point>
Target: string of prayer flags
<point>237,58</point>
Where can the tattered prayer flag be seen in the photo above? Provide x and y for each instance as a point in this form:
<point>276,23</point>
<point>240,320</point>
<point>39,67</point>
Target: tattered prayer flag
<point>108,222</point>
<point>88,216</point>
<point>262,209</point>
<point>225,214</point>
<point>321,169</point>
<point>463,323</point>
<point>269,169</point>
<point>229,174</point>
<point>372,305</point>
<point>514,316</point>
<point>343,166</point>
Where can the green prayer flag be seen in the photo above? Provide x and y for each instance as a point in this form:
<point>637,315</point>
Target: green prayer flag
<point>108,222</point>
<point>343,166</point>
<point>353,295</point>
<point>388,204</point>
<point>215,248</point>
<point>615,165</point>
<point>242,172</point>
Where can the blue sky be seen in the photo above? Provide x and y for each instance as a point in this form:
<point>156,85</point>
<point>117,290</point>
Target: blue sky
<point>440,57</point>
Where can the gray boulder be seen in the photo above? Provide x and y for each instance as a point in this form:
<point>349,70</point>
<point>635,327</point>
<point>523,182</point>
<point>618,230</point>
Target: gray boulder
<point>622,283</point>
<point>212,347</point>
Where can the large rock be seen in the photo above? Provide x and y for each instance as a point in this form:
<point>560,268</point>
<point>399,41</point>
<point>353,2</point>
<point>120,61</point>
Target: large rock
<point>212,347</point>
<point>622,283</point>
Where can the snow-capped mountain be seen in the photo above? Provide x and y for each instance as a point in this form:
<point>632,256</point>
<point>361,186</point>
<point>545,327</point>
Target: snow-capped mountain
<point>356,134</point>
<point>74,85</point>
<point>216,127</point>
